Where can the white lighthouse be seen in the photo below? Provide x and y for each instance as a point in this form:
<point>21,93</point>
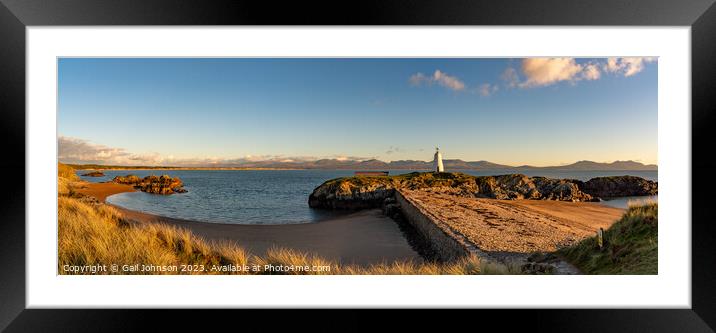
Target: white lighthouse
<point>438,161</point>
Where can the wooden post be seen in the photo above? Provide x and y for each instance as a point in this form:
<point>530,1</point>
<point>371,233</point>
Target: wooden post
<point>600,238</point>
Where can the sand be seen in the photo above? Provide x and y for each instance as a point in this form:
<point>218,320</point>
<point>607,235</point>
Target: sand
<point>101,190</point>
<point>517,226</point>
<point>361,238</point>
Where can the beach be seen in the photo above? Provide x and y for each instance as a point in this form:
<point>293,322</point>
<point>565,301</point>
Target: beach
<point>361,238</point>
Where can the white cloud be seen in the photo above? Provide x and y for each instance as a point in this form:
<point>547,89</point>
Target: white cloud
<point>627,66</point>
<point>540,72</point>
<point>79,151</point>
<point>511,78</point>
<point>547,71</point>
<point>74,150</point>
<point>346,158</point>
<point>418,79</point>
<point>448,81</point>
<point>591,72</point>
<point>439,77</point>
<point>487,89</point>
<point>612,65</point>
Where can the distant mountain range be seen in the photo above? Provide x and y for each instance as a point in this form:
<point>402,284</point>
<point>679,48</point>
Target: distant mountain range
<point>374,164</point>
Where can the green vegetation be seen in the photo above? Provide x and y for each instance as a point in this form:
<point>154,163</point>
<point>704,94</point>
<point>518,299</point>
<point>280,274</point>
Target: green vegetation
<point>630,245</point>
<point>415,179</point>
<point>91,233</point>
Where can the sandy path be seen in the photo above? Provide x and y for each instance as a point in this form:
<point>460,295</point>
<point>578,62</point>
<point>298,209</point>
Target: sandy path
<point>517,226</point>
<point>361,238</point>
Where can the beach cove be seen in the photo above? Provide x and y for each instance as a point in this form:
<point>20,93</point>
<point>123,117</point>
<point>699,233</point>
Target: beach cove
<point>359,238</point>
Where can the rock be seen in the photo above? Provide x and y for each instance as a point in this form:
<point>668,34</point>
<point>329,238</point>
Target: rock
<point>374,192</point>
<point>127,180</point>
<point>351,195</point>
<point>94,174</point>
<point>560,189</point>
<point>153,184</point>
<point>517,186</point>
<point>506,187</point>
<point>619,186</point>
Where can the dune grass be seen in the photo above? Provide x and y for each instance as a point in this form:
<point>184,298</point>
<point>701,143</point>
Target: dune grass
<point>67,172</point>
<point>97,234</point>
<point>630,245</point>
<point>91,234</point>
<point>65,177</point>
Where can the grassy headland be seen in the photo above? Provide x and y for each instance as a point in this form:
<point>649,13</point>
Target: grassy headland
<point>630,245</point>
<point>91,233</point>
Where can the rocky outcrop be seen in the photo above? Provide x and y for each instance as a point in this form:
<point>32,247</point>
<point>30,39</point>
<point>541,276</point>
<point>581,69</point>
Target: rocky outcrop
<point>127,180</point>
<point>94,174</point>
<point>370,192</point>
<point>518,186</point>
<point>560,189</point>
<point>347,194</point>
<point>163,184</point>
<point>619,186</point>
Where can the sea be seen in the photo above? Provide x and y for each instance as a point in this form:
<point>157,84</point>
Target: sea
<point>277,196</point>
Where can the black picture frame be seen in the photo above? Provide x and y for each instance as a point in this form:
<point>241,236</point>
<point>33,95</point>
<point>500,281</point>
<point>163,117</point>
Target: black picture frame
<point>16,15</point>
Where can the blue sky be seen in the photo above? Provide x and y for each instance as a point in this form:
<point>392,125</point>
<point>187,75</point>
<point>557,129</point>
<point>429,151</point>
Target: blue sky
<point>539,111</point>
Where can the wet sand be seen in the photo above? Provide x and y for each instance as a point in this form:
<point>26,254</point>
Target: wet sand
<point>362,238</point>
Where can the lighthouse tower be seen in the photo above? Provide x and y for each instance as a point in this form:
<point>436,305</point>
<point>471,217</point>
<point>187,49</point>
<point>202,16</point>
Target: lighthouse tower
<point>438,161</point>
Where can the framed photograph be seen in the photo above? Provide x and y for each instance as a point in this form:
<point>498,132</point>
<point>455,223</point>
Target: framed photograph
<point>455,156</point>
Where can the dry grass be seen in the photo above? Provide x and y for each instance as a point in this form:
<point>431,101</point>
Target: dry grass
<point>91,234</point>
<point>67,172</point>
<point>641,202</point>
<point>96,234</point>
<point>65,177</point>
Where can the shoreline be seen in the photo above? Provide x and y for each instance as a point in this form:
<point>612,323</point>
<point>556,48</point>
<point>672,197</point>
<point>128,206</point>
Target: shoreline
<point>180,168</point>
<point>362,238</point>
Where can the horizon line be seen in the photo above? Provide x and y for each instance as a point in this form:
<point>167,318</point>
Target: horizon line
<point>239,163</point>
